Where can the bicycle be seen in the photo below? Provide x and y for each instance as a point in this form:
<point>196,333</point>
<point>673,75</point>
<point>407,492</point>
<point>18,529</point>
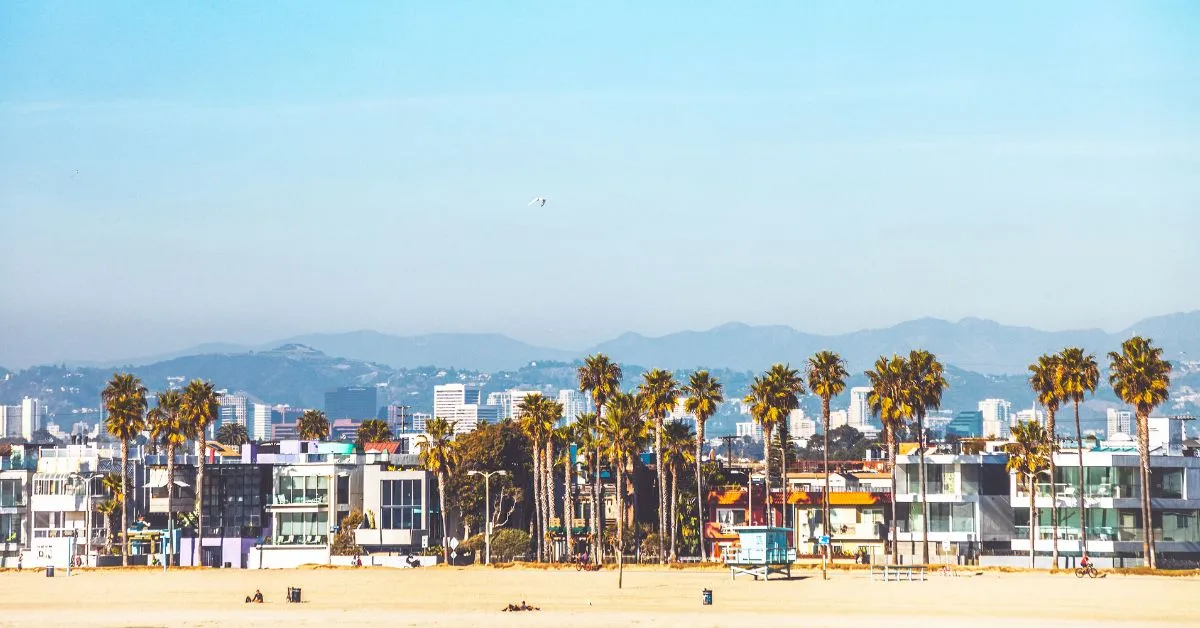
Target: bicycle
<point>1086,571</point>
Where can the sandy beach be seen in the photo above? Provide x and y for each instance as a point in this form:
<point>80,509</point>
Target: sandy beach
<point>651,597</point>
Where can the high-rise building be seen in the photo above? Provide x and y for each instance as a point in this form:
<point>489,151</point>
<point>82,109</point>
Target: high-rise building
<point>260,421</point>
<point>502,400</point>
<point>467,416</point>
<point>804,428</point>
<point>752,429</point>
<point>352,402</point>
<point>518,400</point>
<point>574,403</point>
<point>1119,422</point>
<point>966,424</point>
<point>446,397</point>
<point>21,420</point>
<point>233,408</point>
<point>795,423</point>
<point>1028,414</point>
<point>419,419</point>
<point>858,415</point>
<point>399,418</point>
<point>995,417</point>
<point>838,418</point>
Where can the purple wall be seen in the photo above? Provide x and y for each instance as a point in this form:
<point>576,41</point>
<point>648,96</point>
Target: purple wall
<point>232,551</point>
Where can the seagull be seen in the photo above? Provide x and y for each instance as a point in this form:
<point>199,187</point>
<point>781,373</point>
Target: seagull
<point>539,201</point>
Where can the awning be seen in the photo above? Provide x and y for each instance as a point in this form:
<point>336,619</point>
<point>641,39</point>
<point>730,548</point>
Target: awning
<point>181,483</point>
<point>158,478</point>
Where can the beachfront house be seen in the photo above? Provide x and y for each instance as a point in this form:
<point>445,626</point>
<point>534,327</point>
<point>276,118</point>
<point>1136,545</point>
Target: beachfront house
<point>858,511</point>
<point>16,483</point>
<point>399,509</point>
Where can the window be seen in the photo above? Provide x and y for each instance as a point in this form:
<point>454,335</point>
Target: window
<point>1167,483</point>
<point>729,517</point>
<point>10,528</point>
<point>400,504</point>
<point>303,489</point>
<point>303,528</point>
<point>11,493</point>
<point>343,489</point>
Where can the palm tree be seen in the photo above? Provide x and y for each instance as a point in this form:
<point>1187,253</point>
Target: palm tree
<point>704,395</point>
<point>166,424</point>
<point>538,415</point>
<point>788,386</point>
<point>565,435</point>
<point>1029,456</point>
<point>1045,378</point>
<point>623,432</point>
<point>125,400</point>
<point>587,437</point>
<point>312,425</point>
<point>600,377</point>
<point>111,483</point>
<point>826,379</point>
<point>373,431</point>
<point>928,382</point>
<point>658,393</point>
<point>891,400</point>
<point>1080,375</point>
<point>765,399</point>
<point>1142,379</point>
<point>233,435</point>
<point>551,411</point>
<point>199,409</point>
<point>678,455</point>
<point>439,456</point>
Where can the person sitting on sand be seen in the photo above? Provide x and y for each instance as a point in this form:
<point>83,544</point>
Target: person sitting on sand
<point>258,598</point>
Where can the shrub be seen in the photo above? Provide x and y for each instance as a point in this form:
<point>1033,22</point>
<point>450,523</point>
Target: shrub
<point>509,543</point>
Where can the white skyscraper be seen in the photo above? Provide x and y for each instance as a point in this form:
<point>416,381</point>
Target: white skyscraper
<point>21,420</point>
<point>518,400</point>
<point>1119,422</point>
<point>995,417</point>
<point>749,428</point>
<point>858,415</point>
<point>502,400</point>
<point>574,403</point>
<point>419,419</point>
<point>233,409</point>
<point>1027,415</point>
<point>446,397</point>
<point>467,416</point>
<point>260,421</point>
<point>838,418</point>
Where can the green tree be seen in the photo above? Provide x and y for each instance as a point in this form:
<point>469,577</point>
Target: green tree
<point>622,431</point>
<point>343,541</point>
<point>438,456</point>
<point>1029,455</point>
<point>601,378</point>
<point>537,417</point>
<point>1080,375</point>
<point>677,457</point>
<point>125,401</point>
<point>199,409</point>
<point>927,381</point>
<point>168,427</point>
<point>704,396</point>
<point>233,435</point>
<point>312,425</point>
<point>1045,378</point>
<point>826,379</point>
<point>657,394</point>
<point>373,431</point>
<point>891,400</point>
<point>1142,378</point>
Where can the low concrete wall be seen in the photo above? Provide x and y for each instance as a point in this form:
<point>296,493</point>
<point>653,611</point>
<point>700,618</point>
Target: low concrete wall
<point>1064,562</point>
<point>399,562</point>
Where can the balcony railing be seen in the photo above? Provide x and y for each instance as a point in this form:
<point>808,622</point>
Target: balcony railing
<point>299,540</point>
<point>1096,533</point>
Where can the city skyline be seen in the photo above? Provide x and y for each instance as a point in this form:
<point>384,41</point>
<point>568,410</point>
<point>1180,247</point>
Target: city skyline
<point>377,155</point>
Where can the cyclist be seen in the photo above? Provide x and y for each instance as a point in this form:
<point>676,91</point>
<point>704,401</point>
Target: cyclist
<point>1085,563</point>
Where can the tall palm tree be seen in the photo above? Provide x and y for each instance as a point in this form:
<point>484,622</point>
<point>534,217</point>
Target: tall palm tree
<point>928,382</point>
<point>111,484</point>
<point>167,424</point>
<point>1142,379</point>
<point>767,409</point>
<point>565,436</point>
<point>552,411</point>
<point>199,409</point>
<point>677,457</point>
<point>373,431</point>
<point>600,377</point>
<point>826,379</point>
<point>1045,378</point>
<point>704,396</point>
<point>1029,455</point>
<point>587,437</point>
<point>538,416</point>
<point>658,393</point>
<point>622,431</point>
<point>788,387</point>
<point>891,400</point>
<point>439,456</point>
<point>233,435</point>
<point>1080,375</point>
<point>125,400</point>
<point>313,425</point>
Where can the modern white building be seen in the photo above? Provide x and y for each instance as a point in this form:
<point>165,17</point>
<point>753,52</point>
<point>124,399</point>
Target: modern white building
<point>466,417</point>
<point>1119,422</point>
<point>234,409</point>
<point>517,398</point>
<point>574,403</point>
<point>858,415</point>
<point>751,429</point>
<point>446,397</point>
<point>502,400</point>
<point>260,421</point>
<point>1029,414</point>
<point>21,420</point>
<point>419,419</point>
<point>838,418</point>
<point>996,420</point>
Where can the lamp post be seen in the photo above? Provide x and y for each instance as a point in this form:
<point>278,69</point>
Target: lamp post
<point>487,510</point>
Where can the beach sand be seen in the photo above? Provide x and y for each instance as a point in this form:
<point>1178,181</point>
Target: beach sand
<point>473,596</point>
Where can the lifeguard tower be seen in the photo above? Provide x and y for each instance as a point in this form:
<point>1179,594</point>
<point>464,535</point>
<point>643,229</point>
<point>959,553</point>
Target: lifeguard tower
<point>761,551</point>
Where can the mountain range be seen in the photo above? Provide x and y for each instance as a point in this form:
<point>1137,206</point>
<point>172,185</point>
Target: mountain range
<point>972,344</point>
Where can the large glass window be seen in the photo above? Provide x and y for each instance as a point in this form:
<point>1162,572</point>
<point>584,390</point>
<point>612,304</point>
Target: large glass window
<point>12,493</point>
<point>1166,483</point>
<point>401,504</point>
<point>1180,526</point>
<point>303,489</point>
<point>1128,483</point>
<point>10,528</point>
<point>303,528</point>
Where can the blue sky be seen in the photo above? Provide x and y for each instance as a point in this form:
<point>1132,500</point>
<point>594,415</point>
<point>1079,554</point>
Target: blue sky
<point>174,173</point>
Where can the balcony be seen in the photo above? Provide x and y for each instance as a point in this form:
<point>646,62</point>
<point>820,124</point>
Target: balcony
<point>176,504</point>
<point>377,537</point>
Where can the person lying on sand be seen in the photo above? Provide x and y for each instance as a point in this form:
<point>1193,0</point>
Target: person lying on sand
<point>520,607</point>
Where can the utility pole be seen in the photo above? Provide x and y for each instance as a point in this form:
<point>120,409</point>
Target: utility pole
<point>487,510</point>
<point>728,450</point>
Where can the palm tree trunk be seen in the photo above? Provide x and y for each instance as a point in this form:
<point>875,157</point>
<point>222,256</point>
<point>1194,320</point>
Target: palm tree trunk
<point>568,501</point>
<point>924,497</point>
<point>891,445</point>
<point>1053,492</point>
<point>662,489</point>
<point>783,445</point>
<point>548,488</point>
<point>1082,518</point>
<point>620,544</point>
<point>199,549</point>
<point>1032,520</point>
<point>825,455</point>
<point>124,503</point>
<point>1147,510</point>
<point>674,511</point>
<point>700,497</point>
<point>768,514</point>
<point>170,492</point>
<point>442,507</point>
<point>538,531</point>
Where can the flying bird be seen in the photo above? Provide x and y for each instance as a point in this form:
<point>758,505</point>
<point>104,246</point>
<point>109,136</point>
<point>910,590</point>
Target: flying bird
<point>539,201</point>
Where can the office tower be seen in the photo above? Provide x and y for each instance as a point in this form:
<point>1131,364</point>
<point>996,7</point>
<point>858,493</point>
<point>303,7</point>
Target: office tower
<point>858,415</point>
<point>502,400</point>
<point>518,400</point>
<point>995,417</point>
<point>1119,422</point>
<point>574,403</point>
<point>260,421</point>
<point>446,397</point>
<point>352,402</point>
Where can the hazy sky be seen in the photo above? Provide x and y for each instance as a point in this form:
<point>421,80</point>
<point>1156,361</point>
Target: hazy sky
<point>174,173</point>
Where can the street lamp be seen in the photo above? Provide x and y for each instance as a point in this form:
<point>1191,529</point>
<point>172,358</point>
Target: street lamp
<point>487,510</point>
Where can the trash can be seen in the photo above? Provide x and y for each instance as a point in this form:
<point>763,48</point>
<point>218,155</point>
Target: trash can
<point>293,594</point>
<point>50,571</point>
<point>706,597</point>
